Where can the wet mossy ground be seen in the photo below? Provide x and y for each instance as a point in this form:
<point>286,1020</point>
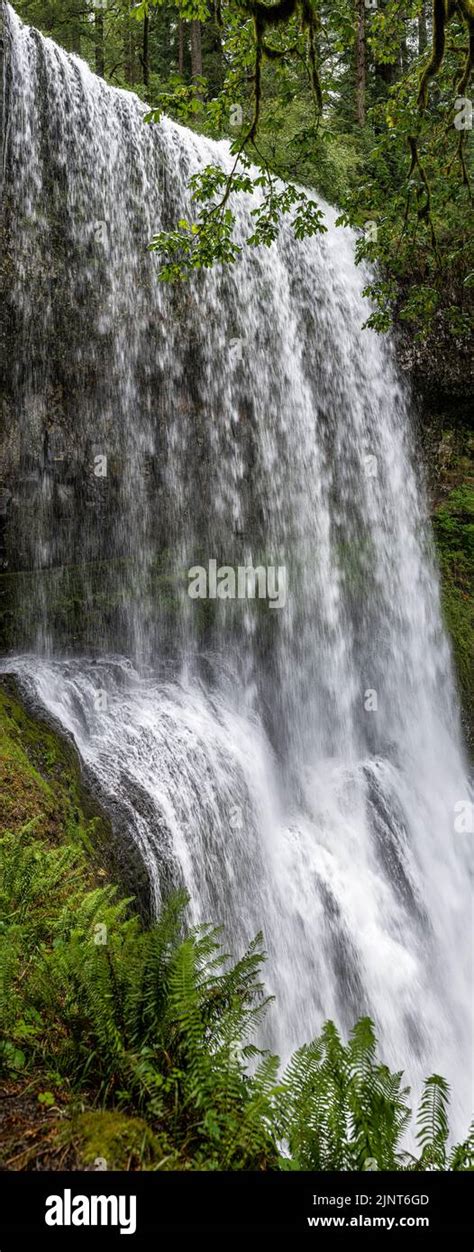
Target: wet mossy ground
<point>39,776</point>
<point>112,1139</point>
<point>42,781</point>
<point>43,794</point>
<point>41,1129</point>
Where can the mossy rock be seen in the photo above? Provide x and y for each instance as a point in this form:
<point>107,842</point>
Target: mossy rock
<point>41,781</point>
<point>121,1142</point>
<point>38,774</point>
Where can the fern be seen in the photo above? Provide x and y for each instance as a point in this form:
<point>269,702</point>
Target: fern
<point>432,1122</point>
<point>162,1021</point>
<point>462,1155</point>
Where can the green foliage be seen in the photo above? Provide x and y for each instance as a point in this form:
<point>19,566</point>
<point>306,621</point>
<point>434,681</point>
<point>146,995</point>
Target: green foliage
<point>406,170</point>
<point>198,245</point>
<point>154,1030</point>
<point>453,525</point>
<point>40,777</point>
<point>420,208</point>
<point>432,1122</point>
<point>146,1018</point>
<point>342,1108</point>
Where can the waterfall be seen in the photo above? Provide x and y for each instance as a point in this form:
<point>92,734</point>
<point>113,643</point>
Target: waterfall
<point>298,767</point>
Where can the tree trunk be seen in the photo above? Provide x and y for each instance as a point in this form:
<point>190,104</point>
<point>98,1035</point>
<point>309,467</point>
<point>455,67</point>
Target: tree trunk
<point>360,62</point>
<point>180,46</point>
<point>129,53</point>
<point>146,34</point>
<point>196,50</point>
<point>422,31</point>
<point>99,42</point>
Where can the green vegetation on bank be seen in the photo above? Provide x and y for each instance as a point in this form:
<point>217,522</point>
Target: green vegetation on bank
<point>454,536</point>
<point>39,777</point>
<point>136,1044</point>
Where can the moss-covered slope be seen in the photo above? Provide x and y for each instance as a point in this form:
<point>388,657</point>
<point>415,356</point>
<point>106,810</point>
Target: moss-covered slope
<point>453,523</point>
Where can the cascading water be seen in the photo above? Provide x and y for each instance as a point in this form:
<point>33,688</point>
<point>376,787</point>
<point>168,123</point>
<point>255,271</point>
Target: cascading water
<point>298,768</point>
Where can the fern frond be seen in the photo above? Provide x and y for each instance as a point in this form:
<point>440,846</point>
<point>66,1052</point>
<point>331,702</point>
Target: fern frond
<point>432,1122</point>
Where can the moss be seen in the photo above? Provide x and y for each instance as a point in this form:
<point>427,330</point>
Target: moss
<point>33,778</point>
<point>39,775</point>
<point>454,535</point>
<point>123,1142</point>
<point>41,781</point>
